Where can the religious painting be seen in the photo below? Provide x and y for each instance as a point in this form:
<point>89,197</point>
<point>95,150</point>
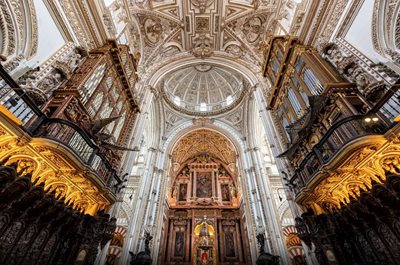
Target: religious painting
<point>229,245</point>
<point>204,185</point>
<point>182,192</point>
<point>179,244</point>
<point>225,192</point>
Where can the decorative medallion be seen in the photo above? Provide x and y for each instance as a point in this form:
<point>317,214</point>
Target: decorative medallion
<point>203,67</point>
<point>252,29</point>
<point>153,30</point>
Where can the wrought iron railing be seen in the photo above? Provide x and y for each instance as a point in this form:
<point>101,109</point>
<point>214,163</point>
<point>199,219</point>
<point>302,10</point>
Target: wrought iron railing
<point>37,124</point>
<point>389,105</point>
<point>76,139</point>
<point>16,100</point>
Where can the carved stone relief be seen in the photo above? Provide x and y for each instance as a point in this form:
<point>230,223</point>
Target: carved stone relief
<point>349,67</point>
<point>202,4</point>
<point>202,141</point>
<point>74,18</point>
<point>199,28</point>
<point>386,30</point>
<point>18,28</point>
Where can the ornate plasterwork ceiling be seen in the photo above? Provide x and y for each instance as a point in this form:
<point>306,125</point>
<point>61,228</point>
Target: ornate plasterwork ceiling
<point>204,28</point>
<point>175,34</point>
<point>204,141</point>
<point>203,88</point>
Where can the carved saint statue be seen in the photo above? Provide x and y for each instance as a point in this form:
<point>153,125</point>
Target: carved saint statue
<point>261,241</point>
<point>179,244</point>
<point>147,238</point>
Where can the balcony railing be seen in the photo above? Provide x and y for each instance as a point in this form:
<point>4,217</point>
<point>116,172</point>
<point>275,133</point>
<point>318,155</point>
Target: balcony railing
<point>389,105</point>
<point>80,143</point>
<point>16,100</point>
<point>340,134</point>
<point>376,122</point>
<point>37,124</point>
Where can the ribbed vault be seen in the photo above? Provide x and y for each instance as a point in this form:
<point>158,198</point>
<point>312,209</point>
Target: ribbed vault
<point>204,141</point>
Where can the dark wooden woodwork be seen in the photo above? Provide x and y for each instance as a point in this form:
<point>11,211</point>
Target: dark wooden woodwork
<point>38,228</point>
<point>366,231</point>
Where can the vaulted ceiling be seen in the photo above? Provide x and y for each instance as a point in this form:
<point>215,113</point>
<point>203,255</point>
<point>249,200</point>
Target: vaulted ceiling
<point>187,46</point>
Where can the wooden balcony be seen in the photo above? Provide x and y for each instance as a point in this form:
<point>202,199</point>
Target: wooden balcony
<point>57,152</point>
<point>348,158</point>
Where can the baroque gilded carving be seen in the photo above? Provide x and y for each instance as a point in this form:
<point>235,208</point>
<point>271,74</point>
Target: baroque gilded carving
<point>59,173</point>
<point>366,166</point>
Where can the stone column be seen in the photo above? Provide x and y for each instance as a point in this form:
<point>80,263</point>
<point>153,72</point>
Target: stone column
<point>139,208</point>
<point>272,213</point>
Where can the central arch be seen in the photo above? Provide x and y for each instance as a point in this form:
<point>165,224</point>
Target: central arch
<point>203,202</point>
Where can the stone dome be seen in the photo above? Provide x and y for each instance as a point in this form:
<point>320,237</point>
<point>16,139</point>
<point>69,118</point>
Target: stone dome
<point>203,88</point>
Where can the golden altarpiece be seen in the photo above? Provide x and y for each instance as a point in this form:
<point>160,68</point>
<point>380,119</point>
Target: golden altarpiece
<point>204,223</point>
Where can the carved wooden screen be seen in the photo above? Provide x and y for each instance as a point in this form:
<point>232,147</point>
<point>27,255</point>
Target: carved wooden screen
<point>108,100</point>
